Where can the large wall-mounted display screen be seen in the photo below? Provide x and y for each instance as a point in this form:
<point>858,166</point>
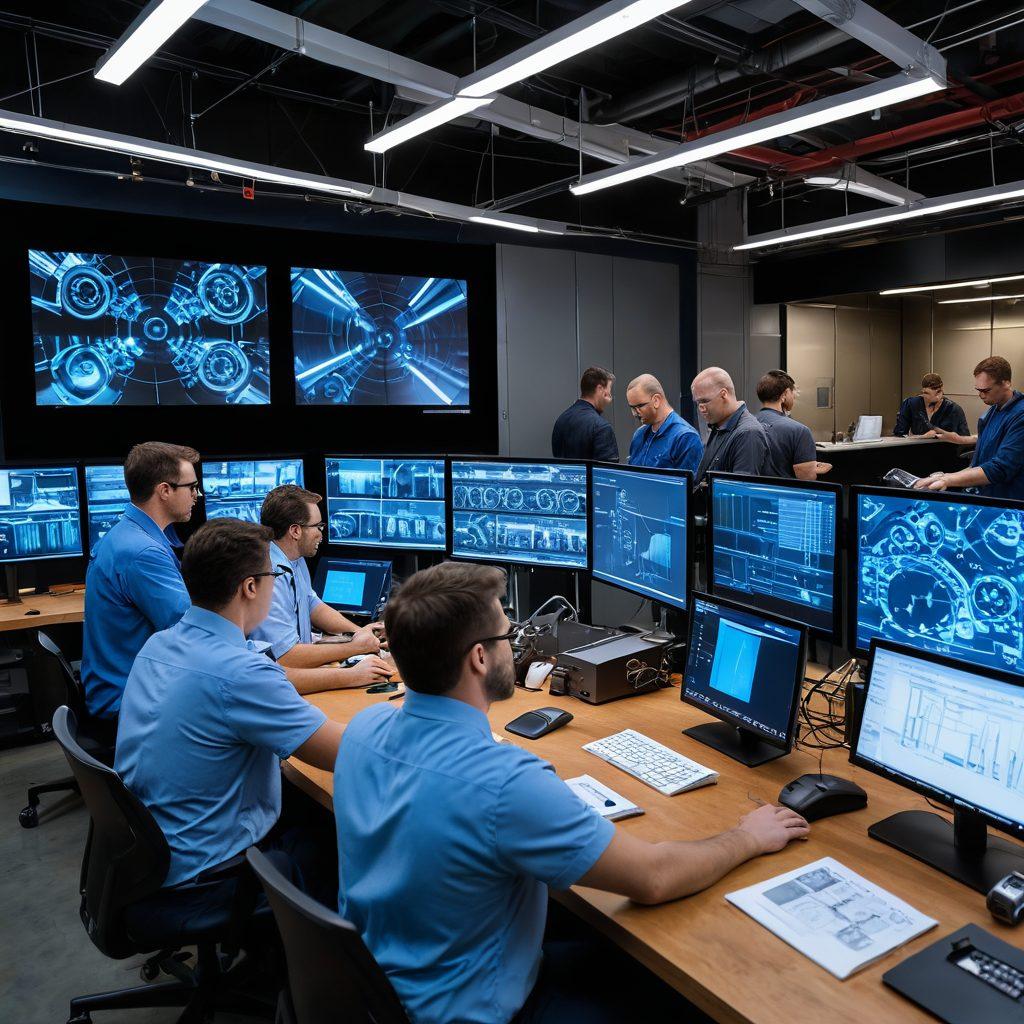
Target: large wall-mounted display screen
<point>379,339</point>
<point>119,330</point>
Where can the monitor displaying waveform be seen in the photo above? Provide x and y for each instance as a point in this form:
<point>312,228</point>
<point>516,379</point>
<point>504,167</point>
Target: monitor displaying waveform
<point>379,339</point>
<point>39,513</point>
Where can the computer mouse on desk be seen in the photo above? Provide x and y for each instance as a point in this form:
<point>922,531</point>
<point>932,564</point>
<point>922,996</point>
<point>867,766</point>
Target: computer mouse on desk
<point>821,796</point>
<point>539,722</point>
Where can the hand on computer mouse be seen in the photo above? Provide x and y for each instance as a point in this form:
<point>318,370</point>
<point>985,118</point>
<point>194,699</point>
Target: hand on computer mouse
<point>365,641</point>
<point>774,827</point>
<point>370,669</point>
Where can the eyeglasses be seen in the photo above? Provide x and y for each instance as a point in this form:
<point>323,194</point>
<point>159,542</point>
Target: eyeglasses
<point>510,636</point>
<point>312,526</point>
<point>984,391</point>
<point>636,408</point>
<point>705,402</point>
<point>270,572</point>
<point>193,486</point>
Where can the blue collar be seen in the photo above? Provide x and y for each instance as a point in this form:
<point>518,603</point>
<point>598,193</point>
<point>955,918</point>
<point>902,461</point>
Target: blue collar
<point>665,423</point>
<point>211,622</point>
<point>767,409</point>
<point>445,709</point>
<point>279,558</point>
<point>145,523</point>
<point>732,420</point>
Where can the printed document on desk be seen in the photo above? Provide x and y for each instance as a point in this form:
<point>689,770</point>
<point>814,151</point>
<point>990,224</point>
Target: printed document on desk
<point>836,918</point>
<point>603,800</point>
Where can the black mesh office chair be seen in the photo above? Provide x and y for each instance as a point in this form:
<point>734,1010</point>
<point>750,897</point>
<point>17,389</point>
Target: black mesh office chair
<point>125,863</point>
<point>332,976</point>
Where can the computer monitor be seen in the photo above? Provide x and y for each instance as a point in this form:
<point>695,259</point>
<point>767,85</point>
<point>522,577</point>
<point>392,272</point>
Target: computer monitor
<point>746,669</point>
<point>774,544</point>
<point>235,489</point>
<point>392,502</point>
<point>353,586</point>
<point>40,515</point>
<point>938,572</point>
<point>952,732</point>
<point>106,498</point>
<point>640,531</point>
<point>869,428</point>
<point>519,511</point>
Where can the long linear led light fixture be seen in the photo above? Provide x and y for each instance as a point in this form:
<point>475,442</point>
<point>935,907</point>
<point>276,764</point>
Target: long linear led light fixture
<point>153,26</point>
<point>871,187</point>
<point>889,91</point>
<point>422,121</point>
<point>958,284</point>
<point>980,298</point>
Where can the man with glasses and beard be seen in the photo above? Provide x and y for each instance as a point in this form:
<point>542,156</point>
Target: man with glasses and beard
<point>293,514</point>
<point>448,840</point>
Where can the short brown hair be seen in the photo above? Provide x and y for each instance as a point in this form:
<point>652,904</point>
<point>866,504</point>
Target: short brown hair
<point>932,381</point>
<point>285,506</point>
<point>594,377</point>
<point>436,617</point>
<point>996,367</point>
<point>219,555</point>
<point>152,463</point>
<point>773,385</point>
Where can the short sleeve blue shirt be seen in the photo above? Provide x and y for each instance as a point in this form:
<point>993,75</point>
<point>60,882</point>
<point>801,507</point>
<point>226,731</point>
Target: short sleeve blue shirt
<point>448,842</point>
<point>291,607</point>
<point>133,588</point>
<point>204,722</point>
<point>675,445</point>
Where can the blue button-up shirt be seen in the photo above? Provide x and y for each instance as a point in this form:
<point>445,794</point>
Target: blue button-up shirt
<point>448,842</point>
<point>675,445</point>
<point>1000,451</point>
<point>133,588</point>
<point>204,721</point>
<point>289,621</point>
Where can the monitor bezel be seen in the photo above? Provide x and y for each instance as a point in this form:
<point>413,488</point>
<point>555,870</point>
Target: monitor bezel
<point>915,785</point>
<point>320,576</point>
<point>779,620</point>
<point>450,460</point>
<point>683,474</point>
<point>294,457</point>
<point>835,636</point>
<point>333,544</point>
<point>75,466</point>
<point>853,543</point>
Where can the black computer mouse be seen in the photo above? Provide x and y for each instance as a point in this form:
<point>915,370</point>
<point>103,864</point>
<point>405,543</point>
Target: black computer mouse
<point>33,611</point>
<point>821,796</point>
<point>539,722</point>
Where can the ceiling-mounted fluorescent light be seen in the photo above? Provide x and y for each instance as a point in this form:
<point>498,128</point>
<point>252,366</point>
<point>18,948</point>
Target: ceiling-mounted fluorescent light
<point>430,117</point>
<point>980,298</point>
<point>517,225</point>
<point>958,284</point>
<point>862,184</point>
<point>889,91</point>
<point>155,24</point>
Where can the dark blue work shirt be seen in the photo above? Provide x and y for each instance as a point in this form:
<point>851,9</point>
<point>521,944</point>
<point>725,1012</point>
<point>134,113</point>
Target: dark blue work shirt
<point>913,418</point>
<point>675,445</point>
<point>1000,451</point>
<point>789,443</point>
<point>581,432</point>
<point>739,445</point>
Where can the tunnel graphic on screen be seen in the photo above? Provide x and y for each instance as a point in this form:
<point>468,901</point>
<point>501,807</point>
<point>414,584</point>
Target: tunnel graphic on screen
<point>117,330</point>
<point>379,339</point>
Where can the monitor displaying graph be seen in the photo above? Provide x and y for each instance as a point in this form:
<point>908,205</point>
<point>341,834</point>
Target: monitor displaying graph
<point>39,513</point>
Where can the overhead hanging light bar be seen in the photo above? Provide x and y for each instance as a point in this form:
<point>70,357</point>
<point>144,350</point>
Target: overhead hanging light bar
<point>423,120</point>
<point>851,178</point>
<point>978,298</point>
<point>958,284</point>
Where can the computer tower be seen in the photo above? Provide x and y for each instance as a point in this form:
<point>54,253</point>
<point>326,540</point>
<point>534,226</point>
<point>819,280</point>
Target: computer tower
<point>597,673</point>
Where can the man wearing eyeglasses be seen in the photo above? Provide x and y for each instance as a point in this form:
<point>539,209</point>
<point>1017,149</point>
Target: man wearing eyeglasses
<point>293,514</point>
<point>133,586</point>
<point>737,442</point>
<point>664,439</point>
<point>997,466</point>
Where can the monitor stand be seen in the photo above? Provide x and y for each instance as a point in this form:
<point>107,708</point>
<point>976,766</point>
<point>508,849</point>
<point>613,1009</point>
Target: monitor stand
<point>963,850</point>
<point>660,634</point>
<point>739,744</point>
<point>11,584</point>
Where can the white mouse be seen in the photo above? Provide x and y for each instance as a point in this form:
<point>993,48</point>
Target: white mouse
<point>536,674</point>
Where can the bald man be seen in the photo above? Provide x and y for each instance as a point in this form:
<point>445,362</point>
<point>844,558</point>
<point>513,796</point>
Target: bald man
<point>737,442</point>
<point>664,440</point>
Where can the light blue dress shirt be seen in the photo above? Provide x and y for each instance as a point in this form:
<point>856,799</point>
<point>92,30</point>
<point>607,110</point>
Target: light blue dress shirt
<point>675,445</point>
<point>133,588</point>
<point>448,842</point>
<point>204,721</point>
<point>294,600</point>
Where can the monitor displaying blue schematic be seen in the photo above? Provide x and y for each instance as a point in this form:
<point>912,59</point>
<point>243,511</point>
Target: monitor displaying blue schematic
<point>236,489</point>
<point>774,545</point>
<point>639,531</point>
<point>390,503</point>
<point>534,513</point>
<point>942,573</point>
<point>120,330</point>
<point>39,513</point>
<point>353,586</point>
<point>379,339</point>
<point>106,498</point>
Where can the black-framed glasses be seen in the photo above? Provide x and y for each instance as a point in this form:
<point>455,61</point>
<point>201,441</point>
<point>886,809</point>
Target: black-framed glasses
<point>634,409</point>
<point>193,486</point>
<point>270,572</point>
<point>321,526</point>
<point>509,636</point>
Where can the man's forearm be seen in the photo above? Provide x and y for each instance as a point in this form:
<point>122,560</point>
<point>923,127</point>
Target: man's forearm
<point>316,680</point>
<point>972,477</point>
<point>316,655</point>
<point>326,619</point>
<point>688,867</point>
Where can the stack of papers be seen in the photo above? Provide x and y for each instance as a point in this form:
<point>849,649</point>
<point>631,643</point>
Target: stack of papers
<point>603,800</point>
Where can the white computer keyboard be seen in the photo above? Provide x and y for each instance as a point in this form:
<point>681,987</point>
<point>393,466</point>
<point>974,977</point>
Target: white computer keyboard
<point>661,767</point>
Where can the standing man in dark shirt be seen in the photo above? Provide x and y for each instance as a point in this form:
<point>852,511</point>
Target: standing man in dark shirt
<point>790,443</point>
<point>737,442</point>
<point>581,432</point>
<point>926,414</point>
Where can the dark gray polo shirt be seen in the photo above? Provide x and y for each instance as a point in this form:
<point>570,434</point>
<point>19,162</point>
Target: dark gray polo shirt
<point>738,445</point>
<point>789,442</point>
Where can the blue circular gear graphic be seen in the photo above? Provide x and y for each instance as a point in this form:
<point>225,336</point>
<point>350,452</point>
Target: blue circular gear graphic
<point>85,292</point>
<point>226,294</point>
<point>81,372</point>
<point>224,367</point>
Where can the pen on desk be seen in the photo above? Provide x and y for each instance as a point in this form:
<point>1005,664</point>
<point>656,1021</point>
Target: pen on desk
<point>396,696</point>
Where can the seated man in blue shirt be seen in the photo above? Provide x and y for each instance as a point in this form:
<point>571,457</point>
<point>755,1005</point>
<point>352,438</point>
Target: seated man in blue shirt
<point>997,466</point>
<point>448,841</point>
<point>582,432</point>
<point>133,585</point>
<point>293,515</point>
<point>664,439</point>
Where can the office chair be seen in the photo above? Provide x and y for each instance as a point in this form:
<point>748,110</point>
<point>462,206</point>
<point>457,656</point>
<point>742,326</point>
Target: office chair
<point>332,976</point>
<point>123,907</point>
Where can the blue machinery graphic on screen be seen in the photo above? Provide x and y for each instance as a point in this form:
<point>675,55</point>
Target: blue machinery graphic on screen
<point>379,339</point>
<point>116,330</point>
<point>941,575</point>
<point>640,532</point>
<point>520,512</point>
<point>777,544</point>
<point>106,498</point>
<point>39,514</point>
<point>391,503</point>
<point>235,490</point>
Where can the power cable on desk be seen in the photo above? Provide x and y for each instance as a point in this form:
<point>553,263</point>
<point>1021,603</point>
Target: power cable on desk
<point>821,727</point>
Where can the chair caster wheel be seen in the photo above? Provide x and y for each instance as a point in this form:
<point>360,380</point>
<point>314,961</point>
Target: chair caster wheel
<point>29,818</point>
<point>149,971</point>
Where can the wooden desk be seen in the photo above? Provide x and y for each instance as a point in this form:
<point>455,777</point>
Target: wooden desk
<point>714,954</point>
<point>52,610</point>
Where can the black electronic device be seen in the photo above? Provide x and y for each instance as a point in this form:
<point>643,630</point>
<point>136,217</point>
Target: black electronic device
<point>745,668</point>
<point>567,635</point>
<point>820,796</point>
<point>1005,899</point>
<point>609,669</point>
<point>951,732</point>
<point>353,586</point>
<point>539,722</point>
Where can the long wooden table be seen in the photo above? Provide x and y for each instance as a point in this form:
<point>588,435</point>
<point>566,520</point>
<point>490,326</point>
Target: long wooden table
<point>52,608</point>
<point>711,952</point>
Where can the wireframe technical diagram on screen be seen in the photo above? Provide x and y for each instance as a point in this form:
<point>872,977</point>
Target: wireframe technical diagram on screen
<point>39,514</point>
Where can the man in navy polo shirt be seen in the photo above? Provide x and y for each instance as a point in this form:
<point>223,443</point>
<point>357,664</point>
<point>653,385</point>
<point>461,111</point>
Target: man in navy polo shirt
<point>582,432</point>
<point>664,440</point>
<point>790,444</point>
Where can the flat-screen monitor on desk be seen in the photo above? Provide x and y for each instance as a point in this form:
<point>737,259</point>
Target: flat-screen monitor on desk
<point>39,513</point>
<point>639,531</point>
<point>353,586</point>
<point>106,498</point>
<point>953,732</point>
<point>869,428</point>
<point>519,511</point>
<point>938,572</point>
<point>235,489</point>
<point>774,544</point>
<point>745,668</point>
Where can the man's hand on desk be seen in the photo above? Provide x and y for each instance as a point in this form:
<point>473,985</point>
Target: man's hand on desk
<point>935,482</point>
<point>948,435</point>
<point>774,827</point>
<point>369,671</point>
<point>366,640</point>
